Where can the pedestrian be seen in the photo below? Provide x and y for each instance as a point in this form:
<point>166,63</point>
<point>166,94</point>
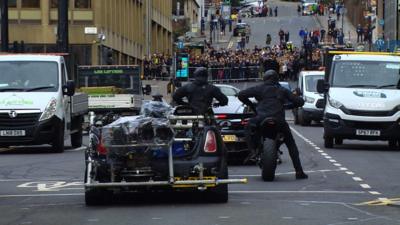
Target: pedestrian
<point>270,12</point>
<point>302,33</point>
<point>230,24</point>
<point>287,36</point>
<point>323,31</point>
<point>338,14</point>
<point>340,37</point>
<point>359,31</point>
<point>281,34</point>
<point>299,10</point>
<point>268,40</point>
<point>276,11</point>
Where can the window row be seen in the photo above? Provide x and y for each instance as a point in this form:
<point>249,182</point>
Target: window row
<point>78,4</point>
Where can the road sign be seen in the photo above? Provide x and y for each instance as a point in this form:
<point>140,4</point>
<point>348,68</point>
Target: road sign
<point>180,44</point>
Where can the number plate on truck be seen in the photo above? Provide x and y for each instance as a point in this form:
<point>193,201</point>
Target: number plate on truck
<point>12,133</point>
<point>368,132</point>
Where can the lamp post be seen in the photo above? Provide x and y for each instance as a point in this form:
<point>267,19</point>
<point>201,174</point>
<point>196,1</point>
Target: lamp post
<point>4,25</point>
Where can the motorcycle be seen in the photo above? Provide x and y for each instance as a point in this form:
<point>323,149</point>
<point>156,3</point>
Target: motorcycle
<point>268,153</point>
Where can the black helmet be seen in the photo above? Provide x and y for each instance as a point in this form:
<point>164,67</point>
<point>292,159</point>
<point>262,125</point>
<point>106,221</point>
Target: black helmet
<point>271,75</point>
<point>201,72</point>
<point>201,75</point>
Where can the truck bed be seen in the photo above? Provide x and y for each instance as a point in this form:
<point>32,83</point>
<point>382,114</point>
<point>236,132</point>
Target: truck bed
<point>80,104</point>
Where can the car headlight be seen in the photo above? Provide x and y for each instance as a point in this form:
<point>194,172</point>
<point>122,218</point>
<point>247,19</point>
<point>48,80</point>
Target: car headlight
<point>50,110</point>
<point>334,103</point>
<point>309,99</point>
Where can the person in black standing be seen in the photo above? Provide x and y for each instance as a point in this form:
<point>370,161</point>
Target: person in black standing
<point>199,93</point>
<point>276,11</point>
<point>271,98</point>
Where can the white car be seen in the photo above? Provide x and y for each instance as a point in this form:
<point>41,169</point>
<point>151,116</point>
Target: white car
<point>307,86</point>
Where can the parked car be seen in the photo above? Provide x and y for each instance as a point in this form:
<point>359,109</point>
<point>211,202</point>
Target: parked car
<point>241,29</point>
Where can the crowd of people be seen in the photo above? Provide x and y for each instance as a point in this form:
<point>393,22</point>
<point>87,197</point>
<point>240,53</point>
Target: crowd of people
<point>250,63</point>
<point>157,66</point>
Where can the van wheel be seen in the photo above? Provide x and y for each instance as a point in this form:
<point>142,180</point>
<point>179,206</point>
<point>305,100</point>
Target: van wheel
<point>302,120</point>
<point>58,139</point>
<point>338,141</point>
<point>328,142</point>
<point>296,116</point>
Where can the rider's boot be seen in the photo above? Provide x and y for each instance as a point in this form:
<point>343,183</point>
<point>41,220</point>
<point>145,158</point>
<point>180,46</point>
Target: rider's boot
<point>301,175</point>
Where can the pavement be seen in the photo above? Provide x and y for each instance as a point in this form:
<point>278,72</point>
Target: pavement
<point>356,183</point>
<point>348,28</point>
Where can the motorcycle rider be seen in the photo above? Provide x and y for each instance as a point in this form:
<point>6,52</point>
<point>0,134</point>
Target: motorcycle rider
<point>271,98</point>
<point>199,93</point>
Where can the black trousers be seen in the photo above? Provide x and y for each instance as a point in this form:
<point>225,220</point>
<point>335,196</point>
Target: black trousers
<point>253,136</point>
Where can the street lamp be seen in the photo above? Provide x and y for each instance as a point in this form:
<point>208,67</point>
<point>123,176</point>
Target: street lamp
<point>101,38</point>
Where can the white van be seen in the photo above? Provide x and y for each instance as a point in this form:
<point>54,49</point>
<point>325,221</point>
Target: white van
<point>38,104</point>
<point>307,88</point>
<point>363,98</point>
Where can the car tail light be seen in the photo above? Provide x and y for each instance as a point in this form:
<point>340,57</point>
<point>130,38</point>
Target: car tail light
<point>221,116</point>
<point>244,122</point>
<point>101,149</point>
<point>211,143</point>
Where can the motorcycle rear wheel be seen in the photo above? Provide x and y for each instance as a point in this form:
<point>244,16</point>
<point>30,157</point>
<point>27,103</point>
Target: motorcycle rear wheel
<point>269,159</point>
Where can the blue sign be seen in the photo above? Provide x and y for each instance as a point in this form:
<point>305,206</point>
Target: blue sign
<point>380,43</point>
<point>180,44</point>
<point>183,71</point>
<point>381,22</point>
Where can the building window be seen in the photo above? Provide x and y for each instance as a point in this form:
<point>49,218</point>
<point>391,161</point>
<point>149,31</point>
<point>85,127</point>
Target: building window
<point>54,4</point>
<point>82,4</point>
<point>12,3</point>
<point>30,3</point>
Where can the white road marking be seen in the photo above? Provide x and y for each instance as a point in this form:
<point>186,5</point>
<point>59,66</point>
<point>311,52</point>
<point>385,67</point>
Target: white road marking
<point>223,217</point>
<point>287,218</point>
<point>259,175</point>
<point>93,220</point>
<point>353,218</point>
<point>52,185</point>
<point>77,149</point>
<point>365,186</point>
<point>156,218</point>
<point>328,157</point>
<point>317,148</point>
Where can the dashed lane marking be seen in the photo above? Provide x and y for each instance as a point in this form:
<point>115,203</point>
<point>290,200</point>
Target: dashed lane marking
<point>335,163</point>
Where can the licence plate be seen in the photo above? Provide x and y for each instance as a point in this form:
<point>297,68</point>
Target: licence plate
<point>229,138</point>
<point>12,133</point>
<point>368,132</point>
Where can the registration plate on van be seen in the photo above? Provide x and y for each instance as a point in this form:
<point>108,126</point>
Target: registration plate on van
<point>12,133</point>
<point>368,132</point>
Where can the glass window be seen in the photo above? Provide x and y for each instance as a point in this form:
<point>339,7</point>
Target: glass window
<point>311,82</point>
<point>227,91</point>
<point>30,3</point>
<point>366,74</point>
<point>54,4</point>
<point>28,76</point>
<point>82,4</point>
<point>12,3</point>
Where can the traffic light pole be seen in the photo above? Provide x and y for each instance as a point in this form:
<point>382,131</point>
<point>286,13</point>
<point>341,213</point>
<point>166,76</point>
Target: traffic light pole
<point>4,25</point>
<point>62,29</point>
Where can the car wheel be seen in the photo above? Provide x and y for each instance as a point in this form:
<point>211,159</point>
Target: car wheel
<point>393,145</point>
<point>338,141</point>
<point>219,194</point>
<point>328,142</point>
<point>269,159</point>
<point>58,139</point>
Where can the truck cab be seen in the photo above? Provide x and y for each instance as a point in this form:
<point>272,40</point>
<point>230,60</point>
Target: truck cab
<point>362,97</point>
<point>38,104</point>
<point>307,88</point>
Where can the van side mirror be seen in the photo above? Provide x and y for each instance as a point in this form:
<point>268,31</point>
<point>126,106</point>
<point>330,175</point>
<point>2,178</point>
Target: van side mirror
<point>322,86</point>
<point>147,89</point>
<point>69,88</point>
